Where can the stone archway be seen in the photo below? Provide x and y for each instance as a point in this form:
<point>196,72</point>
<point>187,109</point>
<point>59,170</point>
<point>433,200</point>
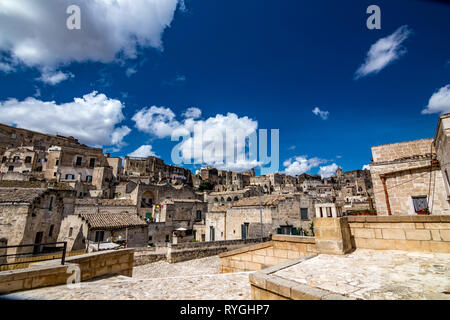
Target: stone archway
<point>147,199</point>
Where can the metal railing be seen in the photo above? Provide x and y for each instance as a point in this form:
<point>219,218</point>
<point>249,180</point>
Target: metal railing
<point>30,257</point>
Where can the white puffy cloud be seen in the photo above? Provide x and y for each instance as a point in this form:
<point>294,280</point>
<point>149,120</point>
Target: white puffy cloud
<point>328,171</point>
<point>439,101</point>
<point>143,152</point>
<point>34,33</point>
<point>204,141</point>
<point>383,52</point>
<point>192,113</point>
<point>320,113</point>
<point>301,164</point>
<point>54,77</point>
<point>92,119</point>
<point>158,121</point>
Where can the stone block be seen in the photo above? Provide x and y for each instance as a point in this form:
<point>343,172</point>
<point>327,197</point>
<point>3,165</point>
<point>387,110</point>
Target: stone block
<point>417,234</point>
<point>258,259</point>
<point>305,292</point>
<point>437,225</point>
<point>394,234</point>
<point>11,286</point>
<point>293,254</point>
<point>435,235</point>
<point>378,234</point>
<point>280,253</point>
<point>258,279</point>
<point>364,233</point>
<point>252,266</point>
<point>439,246</point>
<point>445,234</point>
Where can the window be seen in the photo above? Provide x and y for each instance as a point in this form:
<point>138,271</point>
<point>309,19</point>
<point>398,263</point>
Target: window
<point>50,233</point>
<point>57,162</point>
<point>54,174</point>
<point>199,215</point>
<point>70,177</point>
<point>304,213</point>
<point>167,238</point>
<point>244,231</point>
<point>211,234</point>
<point>70,231</point>
<point>92,162</point>
<point>50,205</point>
<point>3,159</point>
<point>99,235</point>
<point>28,159</point>
<point>78,162</point>
<point>11,168</point>
<point>88,178</point>
<point>420,203</point>
<point>329,215</point>
<point>13,135</point>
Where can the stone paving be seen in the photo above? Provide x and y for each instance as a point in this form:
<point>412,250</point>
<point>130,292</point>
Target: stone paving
<point>376,274</point>
<point>190,280</point>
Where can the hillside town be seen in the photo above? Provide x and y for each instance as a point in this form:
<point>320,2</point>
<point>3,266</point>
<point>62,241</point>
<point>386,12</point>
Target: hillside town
<point>53,189</point>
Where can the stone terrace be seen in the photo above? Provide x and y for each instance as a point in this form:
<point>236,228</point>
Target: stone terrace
<point>374,274</point>
<point>191,280</point>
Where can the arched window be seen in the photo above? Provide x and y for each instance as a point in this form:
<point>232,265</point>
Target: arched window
<point>147,199</point>
<point>28,159</point>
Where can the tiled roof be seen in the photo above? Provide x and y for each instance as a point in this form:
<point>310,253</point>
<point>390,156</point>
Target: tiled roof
<point>112,221</point>
<point>20,195</point>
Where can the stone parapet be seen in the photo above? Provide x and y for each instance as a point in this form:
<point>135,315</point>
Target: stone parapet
<point>51,273</point>
<point>281,249</point>
<point>265,285</point>
<point>332,235</point>
<point>410,233</point>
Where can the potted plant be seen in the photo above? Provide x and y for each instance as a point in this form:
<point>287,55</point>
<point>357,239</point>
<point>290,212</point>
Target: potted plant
<point>423,211</point>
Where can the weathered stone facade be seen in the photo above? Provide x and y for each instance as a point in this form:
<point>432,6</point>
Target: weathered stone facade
<point>403,172</point>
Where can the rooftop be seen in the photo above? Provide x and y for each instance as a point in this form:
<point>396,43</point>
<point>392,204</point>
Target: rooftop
<point>376,274</point>
<point>20,195</point>
<point>112,221</point>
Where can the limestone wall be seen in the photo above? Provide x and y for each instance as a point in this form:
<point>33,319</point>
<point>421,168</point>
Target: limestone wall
<point>281,249</point>
<point>411,233</point>
<point>402,186</point>
<point>51,273</point>
<point>394,151</point>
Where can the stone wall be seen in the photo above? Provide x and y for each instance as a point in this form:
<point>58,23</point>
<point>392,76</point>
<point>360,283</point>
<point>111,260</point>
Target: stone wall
<point>281,249</point>
<point>173,253</point>
<point>411,233</point>
<point>52,273</point>
<point>408,172</point>
<point>265,285</point>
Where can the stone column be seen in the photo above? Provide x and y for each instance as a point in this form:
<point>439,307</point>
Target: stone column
<point>332,235</point>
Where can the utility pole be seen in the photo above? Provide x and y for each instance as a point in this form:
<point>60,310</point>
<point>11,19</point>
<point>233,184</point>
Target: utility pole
<point>260,213</point>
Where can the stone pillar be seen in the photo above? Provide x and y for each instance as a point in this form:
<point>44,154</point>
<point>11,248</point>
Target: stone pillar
<point>332,235</point>
<point>317,212</point>
<point>333,212</point>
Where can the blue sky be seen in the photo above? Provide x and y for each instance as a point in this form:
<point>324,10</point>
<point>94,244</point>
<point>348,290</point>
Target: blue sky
<point>271,61</point>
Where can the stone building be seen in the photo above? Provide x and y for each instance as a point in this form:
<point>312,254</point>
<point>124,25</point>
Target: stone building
<point>23,160</point>
<point>81,230</point>
<point>32,215</point>
<point>408,177</point>
<point>186,215</point>
<point>442,147</point>
<point>156,170</point>
<point>280,214</point>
